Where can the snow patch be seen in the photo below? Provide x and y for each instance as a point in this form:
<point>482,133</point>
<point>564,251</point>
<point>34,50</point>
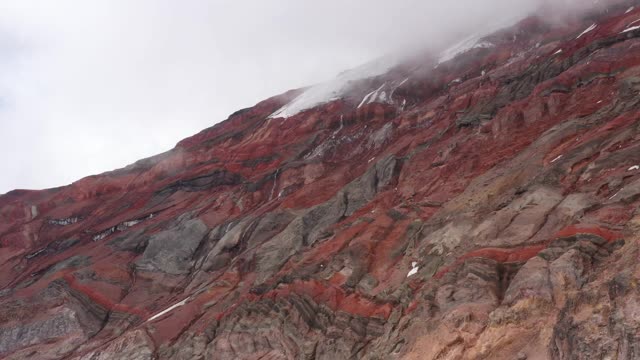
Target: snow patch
<point>396,88</point>
<point>556,159</point>
<point>337,88</point>
<point>32,255</point>
<point>65,221</point>
<point>630,29</point>
<point>558,52</point>
<point>614,195</point>
<point>104,234</point>
<point>334,89</point>
<point>380,95</point>
<point>128,224</point>
<point>476,40</point>
<point>589,29</point>
<point>174,306</point>
<point>468,43</point>
<point>372,96</point>
<point>633,22</point>
<point>275,184</point>
<point>333,135</point>
<point>414,270</point>
<point>120,227</point>
<point>635,167</point>
<point>629,10</point>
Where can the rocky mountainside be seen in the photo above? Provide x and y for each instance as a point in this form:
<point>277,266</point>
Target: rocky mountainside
<point>478,204</point>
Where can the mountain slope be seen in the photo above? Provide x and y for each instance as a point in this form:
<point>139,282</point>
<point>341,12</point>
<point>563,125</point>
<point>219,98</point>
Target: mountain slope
<point>479,204</point>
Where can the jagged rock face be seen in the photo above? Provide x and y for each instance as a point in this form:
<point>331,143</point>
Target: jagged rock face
<point>484,207</point>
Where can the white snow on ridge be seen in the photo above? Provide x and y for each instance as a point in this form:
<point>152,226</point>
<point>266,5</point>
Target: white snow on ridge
<point>334,89</point>
<point>589,29</point>
<point>635,167</point>
<point>380,95</point>
<point>633,22</point>
<point>414,269</point>
<point>470,42</point>
<point>630,29</point>
<point>174,306</point>
<point>396,88</point>
<point>475,41</point>
<point>616,194</point>
<point>372,96</point>
<point>337,88</point>
<point>629,10</point>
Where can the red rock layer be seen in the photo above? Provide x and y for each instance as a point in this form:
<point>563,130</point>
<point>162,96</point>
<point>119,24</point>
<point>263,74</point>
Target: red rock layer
<point>486,209</point>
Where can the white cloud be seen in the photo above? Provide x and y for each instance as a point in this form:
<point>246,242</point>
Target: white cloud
<point>89,86</point>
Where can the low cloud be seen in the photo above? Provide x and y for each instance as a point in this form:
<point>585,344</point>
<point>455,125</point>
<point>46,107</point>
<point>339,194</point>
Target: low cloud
<point>89,86</point>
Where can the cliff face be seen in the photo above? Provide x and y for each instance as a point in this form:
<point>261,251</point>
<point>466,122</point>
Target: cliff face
<point>478,205</point>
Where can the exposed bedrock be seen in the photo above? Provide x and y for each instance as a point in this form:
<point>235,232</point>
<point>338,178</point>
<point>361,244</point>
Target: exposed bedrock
<point>479,206</point>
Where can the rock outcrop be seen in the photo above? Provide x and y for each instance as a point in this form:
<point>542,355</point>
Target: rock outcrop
<point>484,206</point>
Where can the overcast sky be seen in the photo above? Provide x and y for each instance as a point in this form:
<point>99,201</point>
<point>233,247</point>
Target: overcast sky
<point>88,86</point>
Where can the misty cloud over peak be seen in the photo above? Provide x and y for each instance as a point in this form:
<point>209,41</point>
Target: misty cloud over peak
<point>89,86</point>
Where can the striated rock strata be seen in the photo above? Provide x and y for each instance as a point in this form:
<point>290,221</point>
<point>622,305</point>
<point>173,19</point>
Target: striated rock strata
<point>483,207</point>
